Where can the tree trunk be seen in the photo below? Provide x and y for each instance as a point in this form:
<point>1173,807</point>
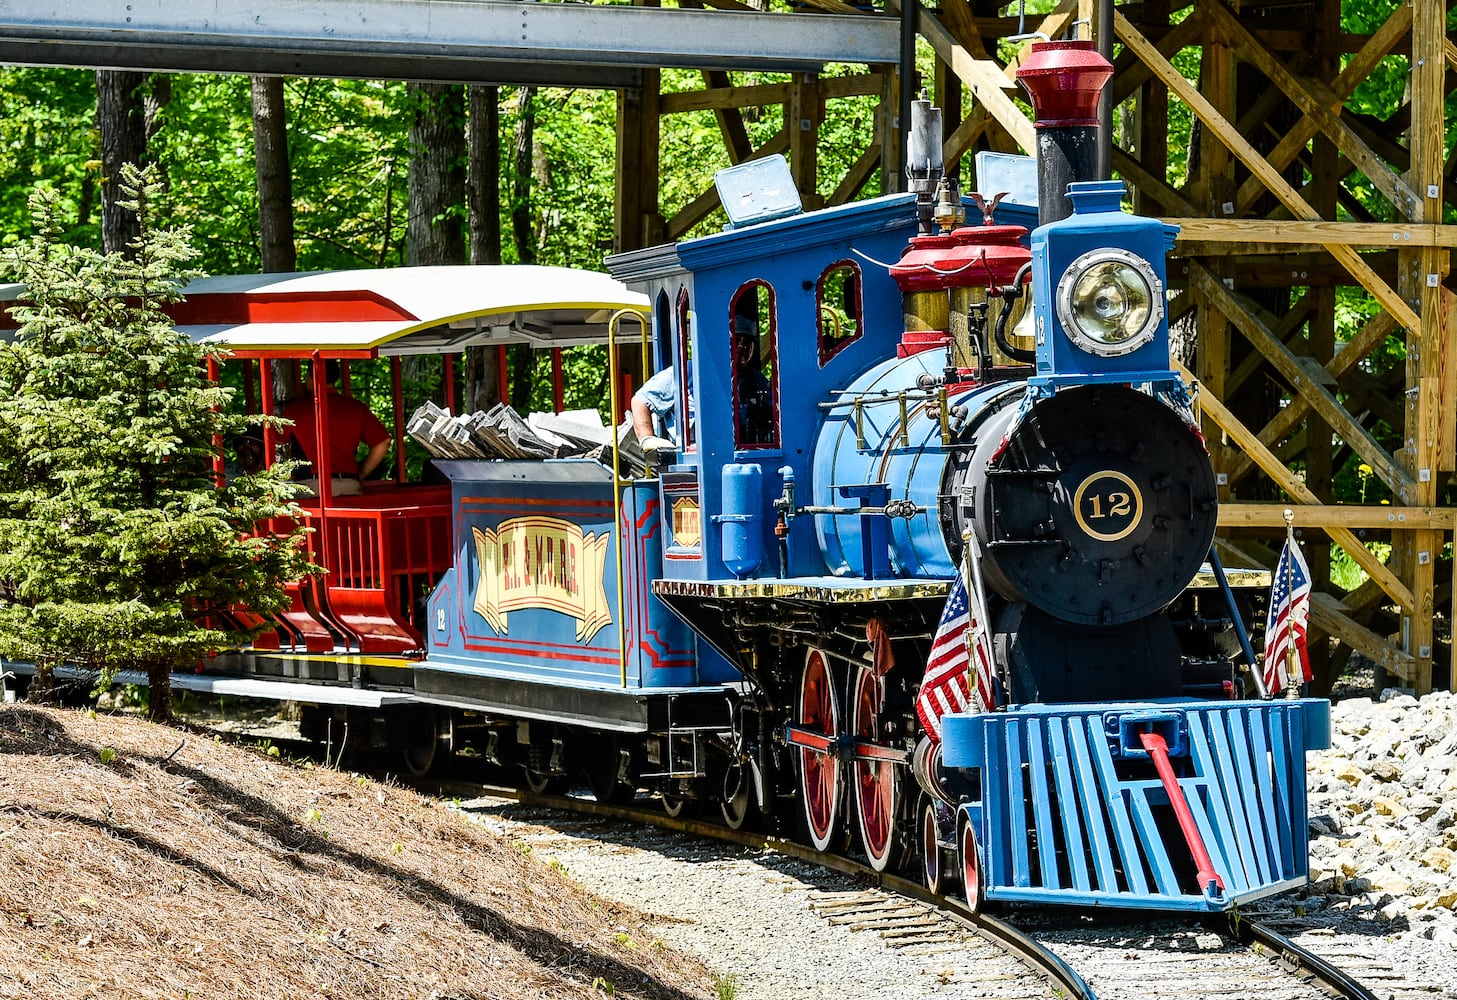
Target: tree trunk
<point>483,140</point>
<point>42,687</point>
<point>159,692</point>
<point>121,121</point>
<point>483,198</point>
<point>275,178</point>
<point>435,230</point>
<point>522,229</point>
<point>277,252</point>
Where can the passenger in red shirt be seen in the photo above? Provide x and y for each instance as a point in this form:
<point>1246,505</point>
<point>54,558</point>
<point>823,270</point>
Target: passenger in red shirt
<point>350,423</point>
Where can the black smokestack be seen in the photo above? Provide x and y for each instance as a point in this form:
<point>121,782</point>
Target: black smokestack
<point>1065,81</point>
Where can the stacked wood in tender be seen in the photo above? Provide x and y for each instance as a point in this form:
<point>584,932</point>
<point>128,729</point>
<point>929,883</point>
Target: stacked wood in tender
<point>501,432</point>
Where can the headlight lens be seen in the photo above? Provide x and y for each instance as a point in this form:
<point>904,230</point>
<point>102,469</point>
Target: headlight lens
<point>1110,302</point>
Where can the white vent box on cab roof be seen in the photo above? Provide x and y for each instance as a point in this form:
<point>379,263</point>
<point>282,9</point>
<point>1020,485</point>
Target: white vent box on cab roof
<point>757,191</point>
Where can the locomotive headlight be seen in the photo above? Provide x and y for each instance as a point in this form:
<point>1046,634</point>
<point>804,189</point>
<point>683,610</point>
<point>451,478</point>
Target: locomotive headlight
<point>1110,302</point>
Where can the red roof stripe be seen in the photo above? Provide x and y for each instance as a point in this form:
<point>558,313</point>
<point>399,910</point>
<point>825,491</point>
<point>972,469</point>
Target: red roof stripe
<point>234,308</point>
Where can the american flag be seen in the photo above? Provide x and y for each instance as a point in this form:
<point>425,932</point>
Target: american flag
<point>1289,612</point>
<point>946,686</point>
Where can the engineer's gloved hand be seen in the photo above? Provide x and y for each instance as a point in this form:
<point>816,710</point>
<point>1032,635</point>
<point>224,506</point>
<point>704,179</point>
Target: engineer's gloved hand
<point>654,444</point>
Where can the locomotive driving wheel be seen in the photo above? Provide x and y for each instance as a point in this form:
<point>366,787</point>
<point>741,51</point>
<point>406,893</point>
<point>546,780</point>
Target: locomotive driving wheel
<point>972,877</point>
<point>934,868</point>
<point>819,770</point>
<point>877,791</point>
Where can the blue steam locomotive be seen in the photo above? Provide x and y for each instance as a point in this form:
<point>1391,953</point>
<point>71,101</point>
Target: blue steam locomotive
<point>921,569</point>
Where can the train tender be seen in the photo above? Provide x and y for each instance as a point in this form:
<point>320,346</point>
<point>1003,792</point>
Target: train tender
<point>923,571</point>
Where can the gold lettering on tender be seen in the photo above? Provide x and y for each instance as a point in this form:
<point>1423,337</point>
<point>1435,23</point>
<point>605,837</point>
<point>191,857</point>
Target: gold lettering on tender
<point>542,562</point>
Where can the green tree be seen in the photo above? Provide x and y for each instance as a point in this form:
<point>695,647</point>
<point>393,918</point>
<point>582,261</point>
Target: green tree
<point>118,548</point>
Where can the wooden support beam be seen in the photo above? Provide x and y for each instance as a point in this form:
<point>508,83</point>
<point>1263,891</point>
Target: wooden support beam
<point>636,219</point>
<point>1135,74</point>
<point>1287,328</point>
<point>1422,274</point>
<point>723,98</point>
<point>887,132</point>
<point>1291,484</point>
<point>1372,334</point>
<point>803,114</point>
<point>1315,101</point>
<point>1257,165</point>
<point>957,18</point>
<point>1332,617</point>
<point>959,142</point>
<point>983,76</point>
<point>1357,69</point>
<point>1283,232</point>
<point>1151,138</point>
<point>852,85</point>
<point>1356,517</point>
<point>1273,266</point>
<point>1298,377</point>
<point>730,120</point>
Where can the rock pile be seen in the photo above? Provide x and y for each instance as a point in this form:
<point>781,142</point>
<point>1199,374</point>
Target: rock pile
<point>1383,806</point>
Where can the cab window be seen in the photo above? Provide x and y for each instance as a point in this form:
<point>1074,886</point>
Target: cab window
<point>684,361</point>
<point>837,297</point>
<point>755,365</point>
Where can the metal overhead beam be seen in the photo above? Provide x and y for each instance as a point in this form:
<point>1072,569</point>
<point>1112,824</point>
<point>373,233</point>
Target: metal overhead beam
<point>331,65</point>
<point>487,41</point>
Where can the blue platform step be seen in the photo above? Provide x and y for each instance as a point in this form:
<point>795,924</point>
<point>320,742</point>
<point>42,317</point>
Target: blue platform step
<point>1073,809</point>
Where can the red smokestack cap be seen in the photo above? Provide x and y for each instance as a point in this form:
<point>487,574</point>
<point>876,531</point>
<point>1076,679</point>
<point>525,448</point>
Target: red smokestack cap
<point>1065,80</point>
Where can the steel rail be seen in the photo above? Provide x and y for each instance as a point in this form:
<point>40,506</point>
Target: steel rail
<point>1292,957</point>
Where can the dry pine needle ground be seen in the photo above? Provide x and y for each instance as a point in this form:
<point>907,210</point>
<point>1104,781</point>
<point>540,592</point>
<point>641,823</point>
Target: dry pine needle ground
<point>135,869</point>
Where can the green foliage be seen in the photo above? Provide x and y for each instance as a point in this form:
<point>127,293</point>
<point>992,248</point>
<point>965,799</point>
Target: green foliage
<point>348,146</point>
<point>48,137</point>
<point>117,547</point>
<point>1345,573</point>
<point>575,136</point>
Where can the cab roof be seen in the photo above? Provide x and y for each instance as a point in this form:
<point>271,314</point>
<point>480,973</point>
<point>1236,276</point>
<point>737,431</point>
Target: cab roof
<point>405,310</point>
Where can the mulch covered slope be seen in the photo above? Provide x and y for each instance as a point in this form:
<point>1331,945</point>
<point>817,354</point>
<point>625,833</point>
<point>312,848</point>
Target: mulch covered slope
<point>130,868</point>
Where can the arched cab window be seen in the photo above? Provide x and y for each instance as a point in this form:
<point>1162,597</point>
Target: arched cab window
<point>755,366</point>
<point>685,368</point>
<point>837,298</point>
<point>662,332</point>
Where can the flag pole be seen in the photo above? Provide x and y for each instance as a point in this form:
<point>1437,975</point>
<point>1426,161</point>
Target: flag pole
<point>970,637</point>
<point>1294,675</point>
<point>980,625</point>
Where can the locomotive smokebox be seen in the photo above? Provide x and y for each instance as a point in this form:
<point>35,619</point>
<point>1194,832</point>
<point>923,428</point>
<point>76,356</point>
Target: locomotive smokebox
<point>1065,81</point>
<point>1096,506</point>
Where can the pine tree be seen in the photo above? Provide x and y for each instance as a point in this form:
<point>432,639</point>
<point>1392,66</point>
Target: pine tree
<point>118,549</point>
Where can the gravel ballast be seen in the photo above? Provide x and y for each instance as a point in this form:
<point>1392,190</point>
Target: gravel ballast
<point>1383,800</point>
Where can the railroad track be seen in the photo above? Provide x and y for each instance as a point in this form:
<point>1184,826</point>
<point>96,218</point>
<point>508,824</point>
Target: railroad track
<point>1108,957</point>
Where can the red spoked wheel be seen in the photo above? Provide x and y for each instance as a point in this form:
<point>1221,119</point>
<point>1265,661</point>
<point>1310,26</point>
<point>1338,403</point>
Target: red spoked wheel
<point>933,856</point>
<point>877,782</point>
<point>819,770</point>
<point>972,878</point>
